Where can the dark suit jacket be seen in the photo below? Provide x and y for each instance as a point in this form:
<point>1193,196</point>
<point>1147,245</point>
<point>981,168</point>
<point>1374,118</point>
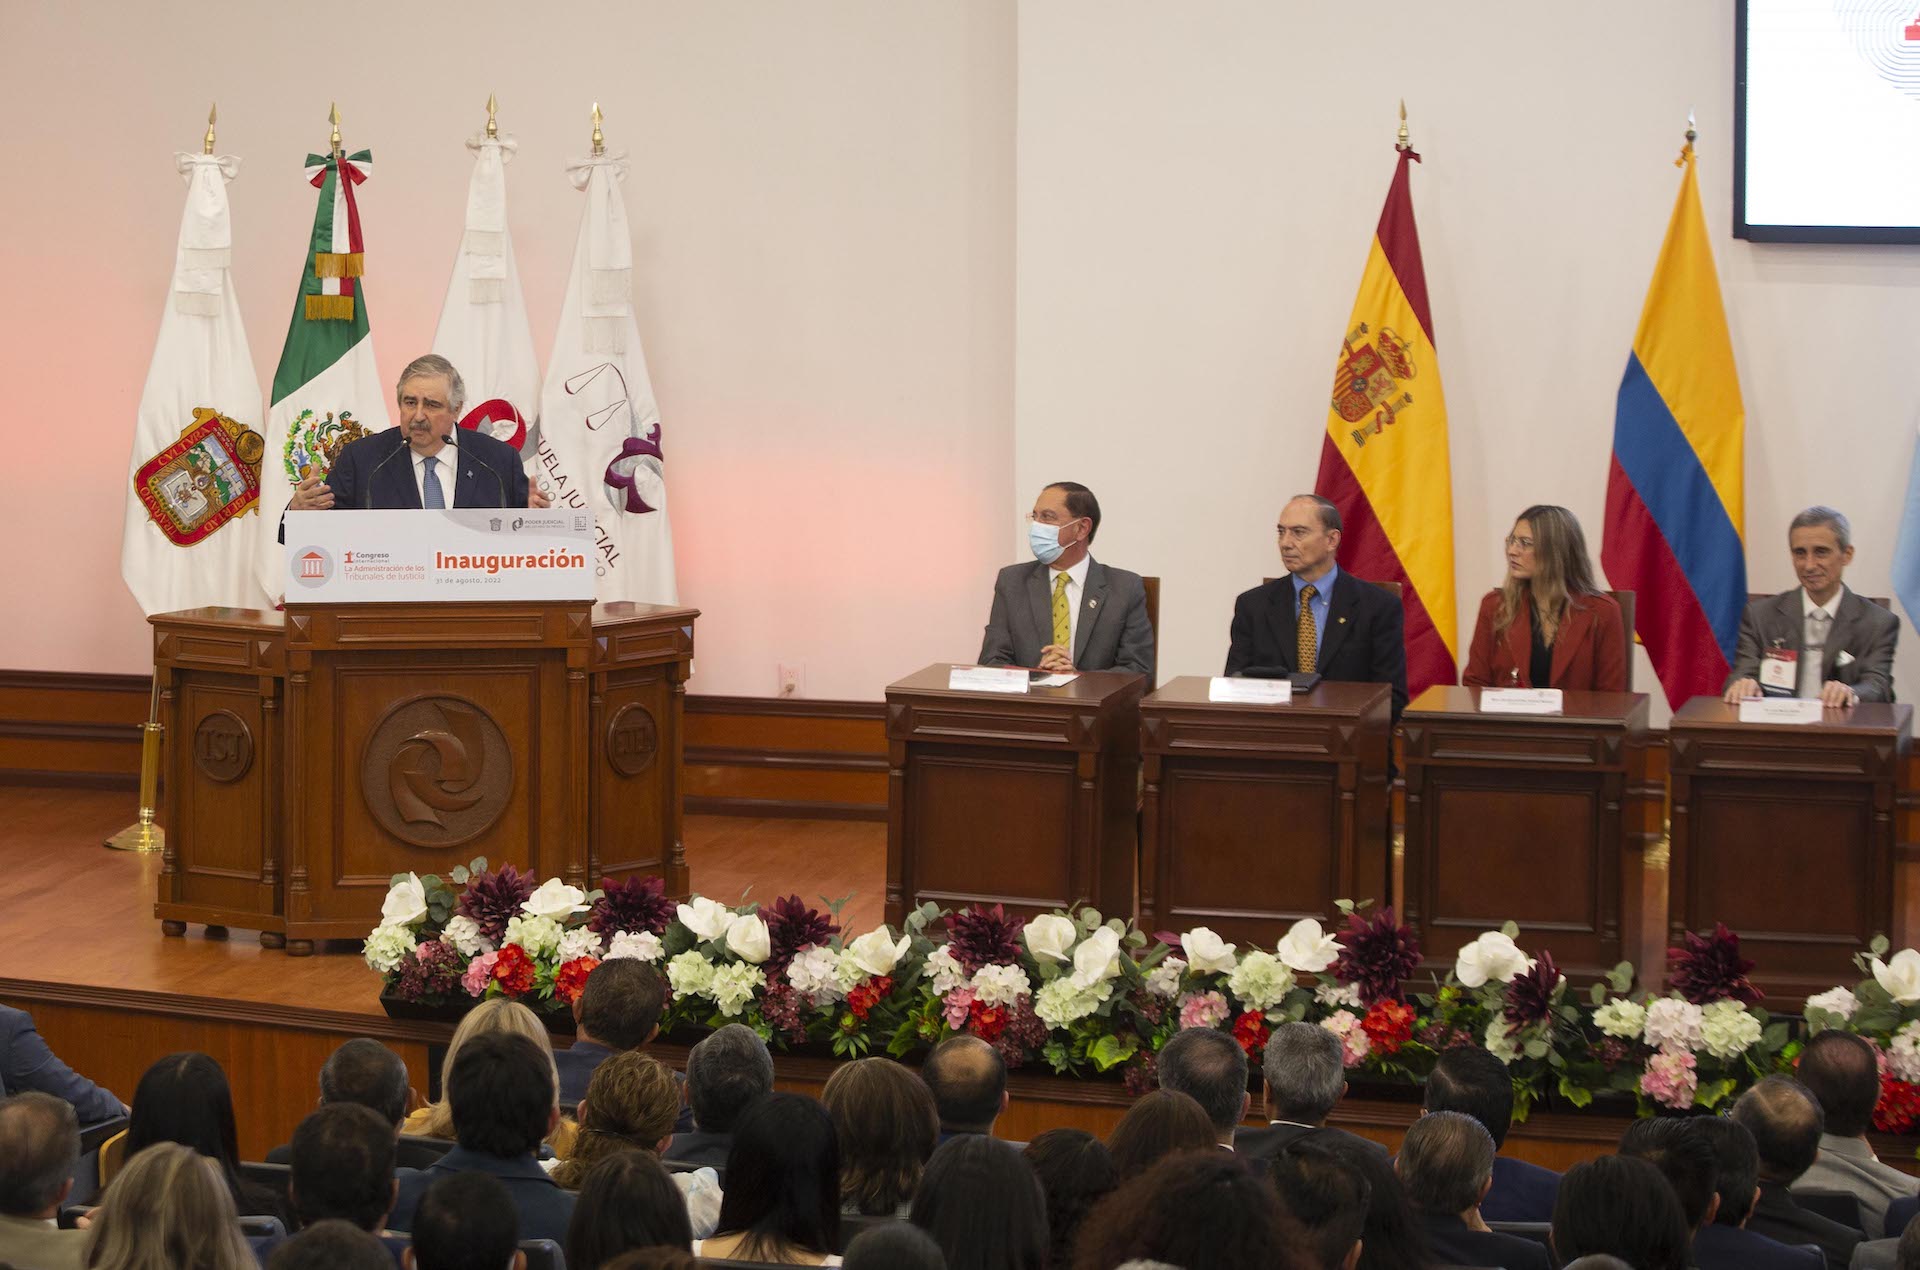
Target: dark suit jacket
<point>1589,649</point>
<point>487,472</point>
<point>708,1150</point>
<point>1364,640</point>
<point>26,1064</point>
<point>1860,627</point>
<point>1778,1217</point>
<point>1719,1247</point>
<point>1264,1144</point>
<point>1521,1192</point>
<point>544,1208</point>
<point>407,1156</point>
<point>1112,632</point>
<point>264,1246</point>
<point>579,1061</point>
<point>1454,1243</point>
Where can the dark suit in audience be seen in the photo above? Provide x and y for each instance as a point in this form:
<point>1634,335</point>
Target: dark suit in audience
<point>577,1064</point>
<point>27,1064</point>
<point>726,1074</point>
<point>1717,1247</point>
<point>1264,1144</point>
<point>410,1156</point>
<point>704,1150</point>
<point>544,1208</point>
<point>1455,1243</point>
<point>1521,1192</point>
<point>1778,1217</point>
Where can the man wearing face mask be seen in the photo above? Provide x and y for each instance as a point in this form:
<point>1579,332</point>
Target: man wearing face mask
<point>1067,611</point>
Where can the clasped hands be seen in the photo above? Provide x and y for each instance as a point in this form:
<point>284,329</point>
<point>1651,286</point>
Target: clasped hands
<point>1056,660</point>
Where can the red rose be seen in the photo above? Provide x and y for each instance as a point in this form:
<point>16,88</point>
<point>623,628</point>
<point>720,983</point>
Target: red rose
<point>1251,1030</point>
<point>1388,1025</point>
<point>862,999</point>
<point>514,971</point>
<point>1899,1106</point>
<point>571,979</point>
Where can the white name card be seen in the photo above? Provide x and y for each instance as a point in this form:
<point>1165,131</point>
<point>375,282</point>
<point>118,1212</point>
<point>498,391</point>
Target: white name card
<point>1520,701</point>
<point>1259,692</point>
<point>986,679</point>
<point>1781,710</point>
<point>465,553</point>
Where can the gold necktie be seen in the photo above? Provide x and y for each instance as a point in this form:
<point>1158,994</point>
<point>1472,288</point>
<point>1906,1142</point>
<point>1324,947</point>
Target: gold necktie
<point>1309,644</point>
<point>1062,615</point>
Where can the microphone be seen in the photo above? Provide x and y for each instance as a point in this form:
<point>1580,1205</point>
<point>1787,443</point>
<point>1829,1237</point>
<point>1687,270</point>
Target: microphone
<point>366,495</point>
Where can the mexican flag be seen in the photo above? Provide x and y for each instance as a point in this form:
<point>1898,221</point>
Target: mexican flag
<point>194,478</point>
<point>600,437</point>
<point>327,390</point>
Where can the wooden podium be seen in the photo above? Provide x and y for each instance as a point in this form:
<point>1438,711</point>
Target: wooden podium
<point>1023,799</point>
<point>312,754</point>
<point>1541,819</point>
<point>1258,815</point>
<point>1785,832</point>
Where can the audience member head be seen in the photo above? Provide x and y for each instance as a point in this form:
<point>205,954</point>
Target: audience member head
<point>621,1004</point>
<point>343,1158</point>
<point>1446,1163</point>
<point>653,1259</point>
<point>1199,1211</point>
<point>1210,1067</point>
<point>331,1245</point>
<point>895,1246</point>
<point>1685,1158</point>
<point>1786,1124</point>
<point>1304,1072</point>
<point>783,1179</point>
<point>1736,1167</point>
<point>968,1079</point>
<point>1392,1238</point>
<point>1158,1124</point>
<point>366,1072</point>
<point>970,1176</point>
<point>631,1104</point>
<point>727,1073</point>
<point>1327,1198</point>
<point>1597,1261</point>
<point>168,1206</point>
<point>495,1015</point>
<point>1842,1072</point>
<point>884,1118</point>
<point>1076,1172</point>
<point>1621,1206</point>
<point>500,1089</point>
<point>627,1201</point>
<point>466,1221</point>
<point>1470,1080</point>
<point>185,1098</point>
<point>39,1146</point>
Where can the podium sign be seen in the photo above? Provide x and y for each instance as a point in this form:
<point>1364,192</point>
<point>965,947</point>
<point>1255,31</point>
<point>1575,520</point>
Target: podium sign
<point>455,554</point>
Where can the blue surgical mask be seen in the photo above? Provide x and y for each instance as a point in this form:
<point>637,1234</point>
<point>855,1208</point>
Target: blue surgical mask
<point>1045,541</point>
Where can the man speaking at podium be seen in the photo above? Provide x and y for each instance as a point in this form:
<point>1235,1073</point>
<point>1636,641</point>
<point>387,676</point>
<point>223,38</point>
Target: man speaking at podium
<point>426,460</point>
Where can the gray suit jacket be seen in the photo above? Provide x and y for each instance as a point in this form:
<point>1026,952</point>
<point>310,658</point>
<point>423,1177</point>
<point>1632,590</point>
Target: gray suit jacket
<point>1860,627</point>
<point>1848,1164</point>
<point>1113,632</point>
<point>34,1245</point>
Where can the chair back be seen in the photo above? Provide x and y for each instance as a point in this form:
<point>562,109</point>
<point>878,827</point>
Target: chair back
<point>854,1224</point>
<point>276,1177</point>
<point>1899,1213</point>
<point>543,1254</point>
<point>1541,1232</point>
<point>1840,1206</point>
<point>1152,588</point>
<point>260,1226</point>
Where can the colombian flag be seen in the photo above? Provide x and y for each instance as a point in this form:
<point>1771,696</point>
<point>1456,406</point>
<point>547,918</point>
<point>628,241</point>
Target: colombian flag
<point>1384,461</point>
<point>1675,504</point>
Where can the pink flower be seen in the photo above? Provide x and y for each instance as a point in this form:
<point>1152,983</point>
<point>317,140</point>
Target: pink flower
<point>955,1006</point>
<point>1203,1009</point>
<point>1354,1045</point>
<point>479,974</point>
<point>1670,1079</point>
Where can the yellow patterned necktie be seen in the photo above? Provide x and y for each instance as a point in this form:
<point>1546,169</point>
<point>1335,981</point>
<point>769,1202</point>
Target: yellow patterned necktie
<point>1308,642</point>
<point>1062,615</point>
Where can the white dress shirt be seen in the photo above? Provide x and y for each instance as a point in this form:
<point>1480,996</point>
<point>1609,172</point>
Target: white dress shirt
<point>1813,638</point>
<point>442,472</point>
<point>1076,587</point>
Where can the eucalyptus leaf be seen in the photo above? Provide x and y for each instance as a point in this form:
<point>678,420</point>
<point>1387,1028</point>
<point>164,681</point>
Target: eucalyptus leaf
<point>1510,928</point>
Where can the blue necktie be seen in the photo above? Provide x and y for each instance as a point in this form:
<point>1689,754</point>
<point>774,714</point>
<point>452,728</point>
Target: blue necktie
<point>431,494</point>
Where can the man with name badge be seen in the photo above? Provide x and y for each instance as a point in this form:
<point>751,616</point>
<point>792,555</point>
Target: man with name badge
<point>1066,611</point>
<point>1818,641</point>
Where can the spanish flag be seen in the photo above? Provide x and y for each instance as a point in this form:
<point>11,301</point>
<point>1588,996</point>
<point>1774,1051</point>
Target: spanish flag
<point>1675,502</point>
<point>1384,461</point>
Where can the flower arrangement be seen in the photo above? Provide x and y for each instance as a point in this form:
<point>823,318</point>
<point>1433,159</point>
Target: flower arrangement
<point>1884,1008</point>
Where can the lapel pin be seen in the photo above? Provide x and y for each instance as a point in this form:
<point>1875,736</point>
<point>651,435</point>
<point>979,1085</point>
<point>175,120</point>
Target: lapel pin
<point>1093,604</point>
<point>1341,622</point>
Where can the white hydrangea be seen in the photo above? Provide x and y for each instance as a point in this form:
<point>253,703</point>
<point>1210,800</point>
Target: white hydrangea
<point>576,944</point>
<point>1337,995</point>
<point>816,972</point>
<point>1728,1030</point>
<point>1621,1018</point>
<point>1000,985</point>
<point>1840,1001</point>
<point>1500,1042</point>
<point>1260,981</point>
<point>943,972</point>
<point>1903,1053</point>
<point>1674,1023</point>
<point>690,975</point>
<point>642,945</point>
<point>387,946</point>
<point>463,936</point>
<point>1164,979</point>
<point>538,935</point>
<point>1062,1001</point>
<point>734,984</point>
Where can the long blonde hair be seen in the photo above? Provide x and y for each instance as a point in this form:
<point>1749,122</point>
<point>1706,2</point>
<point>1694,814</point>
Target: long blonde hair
<point>168,1209</point>
<point>1560,572</point>
<point>496,1014</point>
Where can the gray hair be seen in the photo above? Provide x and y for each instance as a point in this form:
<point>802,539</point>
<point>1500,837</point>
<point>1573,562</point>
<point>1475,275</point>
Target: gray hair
<point>39,1145</point>
<point>434,364</point>
<point>727,1073</point>
<point>1329,511</point>
<point>1304,1071</point>
<point>1210,1067</point>
<point>1817,515</point>
<point>1445,1162</point>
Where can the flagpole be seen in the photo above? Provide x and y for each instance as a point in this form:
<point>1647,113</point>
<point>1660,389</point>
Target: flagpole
<point>143,836</point>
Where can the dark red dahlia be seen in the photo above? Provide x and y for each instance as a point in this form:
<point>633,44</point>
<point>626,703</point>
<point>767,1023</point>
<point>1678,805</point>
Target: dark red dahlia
<point>631,906</point>
<point>1377,955</point>
<point>432,969</point>
<point>980,936</point>
<point>1388,1026</point>
<point>1252,1031</point>
<point>781,1008</point>
<point>792,927</point>
<point>514,971</point>
<point>493,898</point>
<point>1710,968</point>
<point>1024,1033</point>
<point>571,979</point>
<point>1611,1051</point>
<point>1898,1108</point>
<point>1530,995</point>
<point>1142,1074</point>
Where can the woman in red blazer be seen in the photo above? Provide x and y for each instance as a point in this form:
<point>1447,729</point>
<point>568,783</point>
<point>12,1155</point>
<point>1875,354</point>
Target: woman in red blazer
<point>1548,625</point>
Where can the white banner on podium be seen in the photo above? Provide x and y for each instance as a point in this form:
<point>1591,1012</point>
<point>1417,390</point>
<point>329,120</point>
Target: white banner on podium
<point>466,553</point>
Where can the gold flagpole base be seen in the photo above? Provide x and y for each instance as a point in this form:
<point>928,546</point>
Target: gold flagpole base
<point>143,835</point>
<point>146,839</point>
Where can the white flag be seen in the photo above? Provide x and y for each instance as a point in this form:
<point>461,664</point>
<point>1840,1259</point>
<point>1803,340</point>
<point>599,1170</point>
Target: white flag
<point>483,327</point>
<point>194,479</point>
<point>600,439</point>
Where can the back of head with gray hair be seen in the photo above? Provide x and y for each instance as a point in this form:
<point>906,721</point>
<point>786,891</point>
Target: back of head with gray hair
<point>727,1073</point>
<point>1304,1071</point>
<point>1445,1162</point>
<point>39,1145</point>
<point>434,364</point>
<point>1208,1066</point>
<point>1817,515</point>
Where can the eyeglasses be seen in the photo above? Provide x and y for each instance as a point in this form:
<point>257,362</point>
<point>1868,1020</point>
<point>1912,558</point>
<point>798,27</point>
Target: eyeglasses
<point>1525,544</point>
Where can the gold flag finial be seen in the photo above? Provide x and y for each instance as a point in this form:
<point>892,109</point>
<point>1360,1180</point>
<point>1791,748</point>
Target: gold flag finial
<point>333,117</point>
<point>1692,136</point>
<point>599,141</point>
<point>1686,151</point>
<point>206,142</point>
<point>493,125</point>
<point>1402,143</point>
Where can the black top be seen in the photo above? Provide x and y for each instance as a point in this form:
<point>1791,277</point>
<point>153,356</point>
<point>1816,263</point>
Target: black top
<point>1540,662</point>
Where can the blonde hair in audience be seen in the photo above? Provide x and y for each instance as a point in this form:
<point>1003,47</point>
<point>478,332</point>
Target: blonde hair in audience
<point>496,1014</point>
<point>168,1209</point>
<point>1561,571</point>
<point>632,1102</point>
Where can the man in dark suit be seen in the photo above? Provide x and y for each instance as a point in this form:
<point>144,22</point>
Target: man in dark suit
<point>1305,1078</point>
<point>1067,611</point>
<point>1786,1124</point>
<point>618,1010</point>
<point>1819,639</point>
<point>367,1073</point>
<point>1209,1067</point>
<point>968,1081</point>
<point>1446,1165</point>
<point>1724,1242</point>
<point>27,1064</point>
<point>1357,631</point>
<point>1470,1080</point>
<point>726,1073</point>
<point>343,1169</point>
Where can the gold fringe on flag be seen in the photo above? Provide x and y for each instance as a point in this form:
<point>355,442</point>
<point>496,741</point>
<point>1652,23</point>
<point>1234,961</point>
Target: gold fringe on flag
<point>329,308</point>
<point>338,264</point>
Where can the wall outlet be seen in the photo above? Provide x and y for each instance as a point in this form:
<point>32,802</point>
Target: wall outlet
<point>793,679</point>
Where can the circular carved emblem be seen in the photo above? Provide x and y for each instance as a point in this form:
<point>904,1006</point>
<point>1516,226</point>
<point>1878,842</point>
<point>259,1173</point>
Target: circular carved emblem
<point>437,771</point>
<point>223,747</point>
<point>632,739</point>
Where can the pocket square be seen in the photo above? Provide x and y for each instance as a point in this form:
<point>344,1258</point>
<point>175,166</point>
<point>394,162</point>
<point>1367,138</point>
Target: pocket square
<point>1845,658</point>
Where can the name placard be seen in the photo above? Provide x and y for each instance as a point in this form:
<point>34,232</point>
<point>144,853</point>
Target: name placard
<point>1520,701</point>
<point>466,553</point>
<point>986,679</point>
<point>1781,710</point>
<point>1259,692</point>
